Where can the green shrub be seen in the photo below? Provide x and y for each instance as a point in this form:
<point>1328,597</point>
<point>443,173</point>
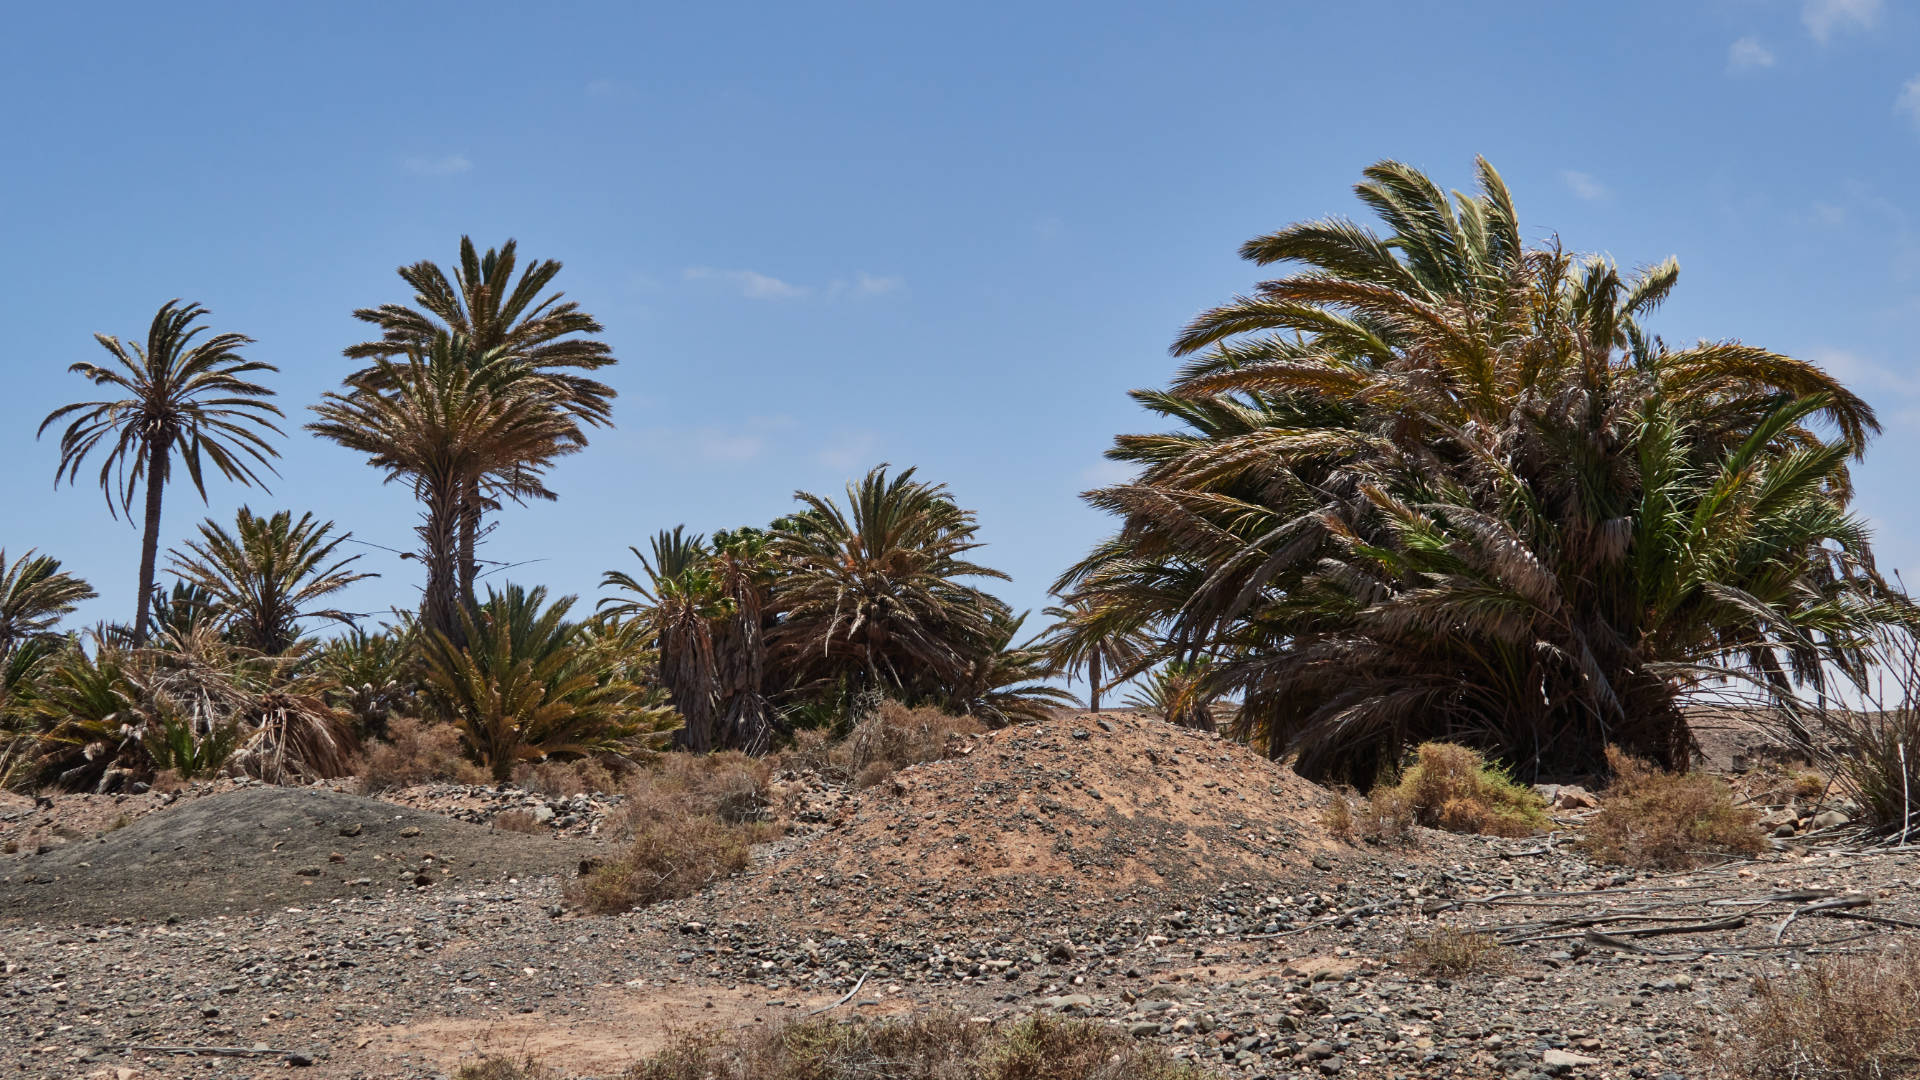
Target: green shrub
<point>1453,788</point>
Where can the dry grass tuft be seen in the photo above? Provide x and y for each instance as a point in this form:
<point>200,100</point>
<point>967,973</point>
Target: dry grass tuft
<point>1668,820</point>
<point>587,776</point>
<point>691,820</point>
<point>1452,951</point>
<point>932,1046</point>
<point>416,752</point>
<point>519,821</point>
<point>1453,788</point>
<point>669,857</point>
<point>894,737</point>
<point>500,1068</point>
<point>1844,1019</point>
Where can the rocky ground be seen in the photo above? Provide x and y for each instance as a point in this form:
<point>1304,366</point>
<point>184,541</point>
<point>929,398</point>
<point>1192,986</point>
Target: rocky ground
<point>1191,897</point>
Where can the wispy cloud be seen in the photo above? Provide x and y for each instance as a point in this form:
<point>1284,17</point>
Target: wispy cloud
<point>449,165</point>
<point>1748,54</point>
<point>752,284</point>
<point>1896,392</point>
<point>1908,103</point>
<point>1829,214</point>
<point>755,285</point>
<point>1825,18</point>
<point>848,451</point>
<point>1585,186</point>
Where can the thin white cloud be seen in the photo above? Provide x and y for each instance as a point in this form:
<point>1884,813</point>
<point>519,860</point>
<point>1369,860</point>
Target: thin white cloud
<point>848,450</point>
<point>1748,54</point>
<point>1825,18</point>
<point>449,165</point>
<point>1585,186</point>
<point>1865,376</point>
<point>1908,103</point>
<point>716,444</point>
<point>1829,214</point>
<point>752,284</point>
<point>872,285</point>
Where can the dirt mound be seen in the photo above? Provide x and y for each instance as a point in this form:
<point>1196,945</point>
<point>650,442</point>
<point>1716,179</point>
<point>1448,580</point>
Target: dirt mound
<point>1084,810</point>
<point>261,847</point>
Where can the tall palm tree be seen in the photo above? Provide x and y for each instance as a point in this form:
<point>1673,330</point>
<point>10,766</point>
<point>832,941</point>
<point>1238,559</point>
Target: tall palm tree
<point>872,592</point>
<point>547,339</point>
<point>183,401</point>
<point>1440,484</point>
<point>34,595</point>
<point>449,425</point>
<point>1098,638</point>
<point>267,574</point>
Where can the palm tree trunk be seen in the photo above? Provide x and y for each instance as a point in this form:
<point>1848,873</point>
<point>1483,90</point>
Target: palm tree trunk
<point>440,604</point>
<point>469,540</point>
<point>157,456</point>
<point>1093,680</point>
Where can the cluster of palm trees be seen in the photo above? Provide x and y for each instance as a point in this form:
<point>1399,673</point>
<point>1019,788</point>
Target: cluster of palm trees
<point>469,396</point>
<point>1433,482</point>
<point>829,610</point>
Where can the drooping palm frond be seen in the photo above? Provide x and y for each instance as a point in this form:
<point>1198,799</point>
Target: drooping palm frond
<point>266,575</point>
<point>35,594</point>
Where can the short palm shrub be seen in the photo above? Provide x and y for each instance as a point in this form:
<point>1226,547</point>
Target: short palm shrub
<point>528,683</point>
<point>1669,820</point>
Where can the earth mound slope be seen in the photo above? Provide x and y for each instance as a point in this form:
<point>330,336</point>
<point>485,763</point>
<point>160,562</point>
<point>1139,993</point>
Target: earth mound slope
<point>1085,810</point>
<point>261,847</point>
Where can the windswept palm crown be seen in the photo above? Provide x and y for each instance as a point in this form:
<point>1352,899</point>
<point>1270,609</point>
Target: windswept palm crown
<point>267,575</point>
<point>178,399</point>
<point>1438,484</point>
<point>450,424</point>
<point>543,340</point>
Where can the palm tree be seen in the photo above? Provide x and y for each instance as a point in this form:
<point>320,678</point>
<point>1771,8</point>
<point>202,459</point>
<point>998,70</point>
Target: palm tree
<point>1442,485</point>
<point>706,608</point>
<point>34,595</point>
<point>1006,685</point>
<point>1086,635</point>
<point>266,575</point>
<point>528,683</point>
<point>871,593</point>
<point>499,317</point>
<point>181,399</point>
<point>447,424</point>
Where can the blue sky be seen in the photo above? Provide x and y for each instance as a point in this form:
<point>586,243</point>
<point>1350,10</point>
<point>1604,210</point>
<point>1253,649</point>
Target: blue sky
<point>953,236</point>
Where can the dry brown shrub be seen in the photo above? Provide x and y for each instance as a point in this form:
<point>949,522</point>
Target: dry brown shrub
<point>416,752</point>
<point>726,785</point>
<point>519,821</point>
<point>1667,820</point>
<point>1845,1019</point>
<point>1451,951</point>
<point>1337,818</point>
<point>671,856</point>
<point>1454,788</point>
<point>921,1047</point>
<point>898,736</point>
<point>587,776</point>
<point>500,1068</point>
